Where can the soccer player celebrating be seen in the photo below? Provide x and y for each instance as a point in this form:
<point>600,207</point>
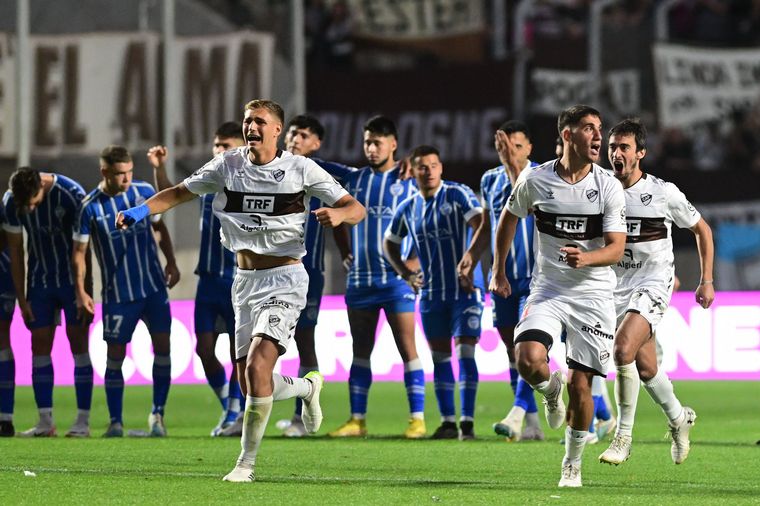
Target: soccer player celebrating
<point>216,271</point>
<point>7,364</point>
<point>372,284</point>
<point>304,137</point>
<point>133,283</point>
<point>512,143</point>
<point>45,205</point>
<point>580,217</point>
<point>440,219</point>
<point>261,196</point>
<point>645,278</point>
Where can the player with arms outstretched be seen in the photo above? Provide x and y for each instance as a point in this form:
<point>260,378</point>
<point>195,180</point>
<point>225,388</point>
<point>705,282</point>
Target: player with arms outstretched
<point>261,197</point>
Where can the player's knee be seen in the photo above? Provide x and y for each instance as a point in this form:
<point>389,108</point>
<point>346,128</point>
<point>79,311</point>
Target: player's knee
<point>623,353</point>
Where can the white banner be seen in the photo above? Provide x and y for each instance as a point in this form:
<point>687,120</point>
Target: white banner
<point>416,18</point>
<point>554,90</point>
<point>696,85</point>
<point>92,90</point>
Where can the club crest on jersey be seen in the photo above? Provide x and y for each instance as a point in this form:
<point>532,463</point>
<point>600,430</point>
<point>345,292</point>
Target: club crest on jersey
<point>397,189</point>
<point>446,209</point>
<point>646,198</point>
<point>550,195</point>
<point>278,174</point>
<point>473,322</point>
<point>59,212</point>
<point>592,195</point>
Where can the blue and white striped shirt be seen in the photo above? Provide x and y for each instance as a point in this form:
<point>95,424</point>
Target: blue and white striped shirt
<point>49,230</point>
<point>440,235</point>
<point>380,193</point>
<point>495,189</point>
<point>213,258</point>
<point>129,264</point>
<point>314,233</point>
<point>6,279</point>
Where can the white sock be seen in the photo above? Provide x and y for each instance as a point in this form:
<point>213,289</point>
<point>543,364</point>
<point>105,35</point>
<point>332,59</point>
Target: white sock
<point>575,441</point>
<point>46,417</point>
<point>83,416</point>
<point>257,413</point>
<point>517,413</point>
<point>286,387</point>
<point>660,389</point>
<point>626,396</point>
<point>548,387</point>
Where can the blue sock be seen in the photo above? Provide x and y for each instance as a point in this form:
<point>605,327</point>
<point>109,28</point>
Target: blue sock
<point>114,385</point>
<point>218,383</point>
<point>7,381</point>
<point>414,380</point>
<point>83,381</point>
<point>42,381</point>
<point>524,397</point>
<point>443,379</point>
<point>359,381</point>
<point>162,378</point>
<point>600,408</point>
<point>513,376</point>
<point>592,428</point>
<point>468,379</point>
<point>302,371</point>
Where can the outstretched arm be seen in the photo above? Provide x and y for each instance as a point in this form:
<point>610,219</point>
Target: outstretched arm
<point>705,293</point>
<point>157,204</point>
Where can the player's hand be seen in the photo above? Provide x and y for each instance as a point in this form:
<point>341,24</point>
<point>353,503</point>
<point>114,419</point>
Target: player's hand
<point>328,217</point>
<point>405,168</point>
<point>505,149</point>
<point>575,257</point>
<point>347,262</point>
<point>171,274</point>
<point>415,280</point>
<point>85,308</point>
<point>157,156</point>
<point>127,218</point>
<point>499,285</point>
<point>465,271</point>
<point>26,312</point>
<point>705,295</point>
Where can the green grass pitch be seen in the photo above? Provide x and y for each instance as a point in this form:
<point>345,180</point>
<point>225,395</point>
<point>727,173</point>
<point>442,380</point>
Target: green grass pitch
<point>187,467</point>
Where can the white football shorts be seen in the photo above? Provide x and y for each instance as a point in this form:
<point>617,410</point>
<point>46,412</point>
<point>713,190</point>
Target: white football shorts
<point>589,325</point>
<point>268,302</point>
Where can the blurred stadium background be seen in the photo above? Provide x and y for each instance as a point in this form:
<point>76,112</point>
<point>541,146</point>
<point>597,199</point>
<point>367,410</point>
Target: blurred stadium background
<point>76,75</point>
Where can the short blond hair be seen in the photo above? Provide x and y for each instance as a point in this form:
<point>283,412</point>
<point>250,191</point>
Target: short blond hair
<point>270,105</point>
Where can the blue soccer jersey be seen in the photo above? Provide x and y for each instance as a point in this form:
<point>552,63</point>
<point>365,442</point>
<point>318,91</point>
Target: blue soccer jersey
<point>129,264</point>
<point>495,189</point>
<point>380,193</point>
<point>6,279</point>
<point>314,233</point>
<point>49,230</point>
<point>440,236</point>
<point>213,258</point>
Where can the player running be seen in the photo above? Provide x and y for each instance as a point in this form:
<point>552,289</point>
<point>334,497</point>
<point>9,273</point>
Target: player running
<point>645,277</point>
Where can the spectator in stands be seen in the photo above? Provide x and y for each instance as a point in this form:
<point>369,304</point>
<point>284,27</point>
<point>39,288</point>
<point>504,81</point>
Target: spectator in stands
<point>339,36</point>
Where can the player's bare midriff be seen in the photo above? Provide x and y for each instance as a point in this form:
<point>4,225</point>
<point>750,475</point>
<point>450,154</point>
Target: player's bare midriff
<point>247,260</point>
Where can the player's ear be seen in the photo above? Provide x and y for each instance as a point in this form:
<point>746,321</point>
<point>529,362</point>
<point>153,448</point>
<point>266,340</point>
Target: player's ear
<point>641,153</point>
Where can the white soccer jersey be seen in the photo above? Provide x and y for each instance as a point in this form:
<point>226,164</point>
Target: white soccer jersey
<point>263,208</point>
<point>570,215</point>
<point>652,206</point>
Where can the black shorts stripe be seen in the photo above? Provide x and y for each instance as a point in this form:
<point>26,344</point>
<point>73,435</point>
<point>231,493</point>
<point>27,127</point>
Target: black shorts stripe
<point>564,226</point>
<point>577,366</point>
<point>535,335</point>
